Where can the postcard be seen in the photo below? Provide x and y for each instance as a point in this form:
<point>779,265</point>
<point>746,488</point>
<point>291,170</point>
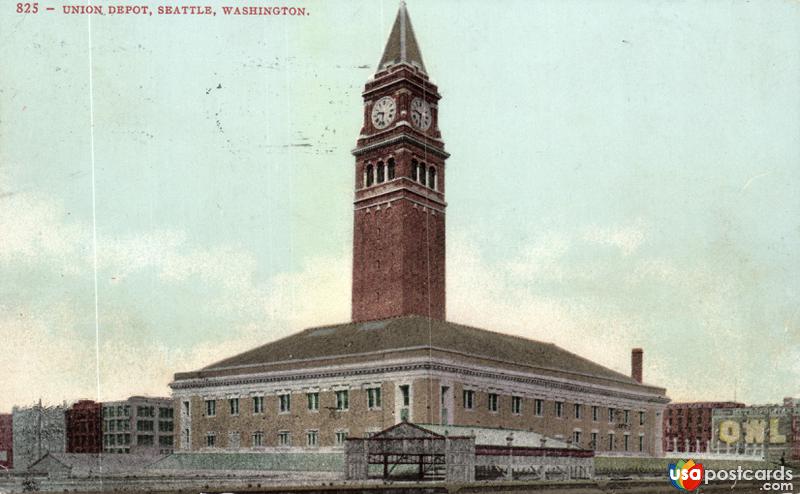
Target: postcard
<point>255,244</point>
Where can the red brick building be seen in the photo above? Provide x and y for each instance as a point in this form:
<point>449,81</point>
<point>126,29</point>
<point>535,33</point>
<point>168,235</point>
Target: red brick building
<point>687,426</point>
<point>6,441</point>
<point>399,228</point>
<point>84,427</point>
<point>399,359</point>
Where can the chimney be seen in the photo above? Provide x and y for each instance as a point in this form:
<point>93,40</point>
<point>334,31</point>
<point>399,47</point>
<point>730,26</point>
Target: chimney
<point>636,364</point>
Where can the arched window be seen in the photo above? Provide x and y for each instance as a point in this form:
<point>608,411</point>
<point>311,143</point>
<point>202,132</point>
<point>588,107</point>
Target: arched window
<point>370,176</point>
<point>432,178</point>
<point>421,173</point>
<point>381,175</point>
<point>414,170</point>
<point>390,169</point>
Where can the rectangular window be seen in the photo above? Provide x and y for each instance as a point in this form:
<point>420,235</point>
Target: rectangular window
<point>576,438</point>
<point>258,404</point>
<point>595,413</point>
<point>313,401</point>
<point>234,403</point>
<point>284,438</point>
<point>342,400</point>
<point>374,398</point>
<point>516,405</point>
<point>341,437</point>
<point>611,442</point>
<point>164,426</point>
<point>627,416</point>
<point>469,399</point>
<point>593,444</point>
<point>311,438</point>
<point>258,439</point>
<point>559,409</point>
<point>186,409</point>
<point>492,402</point>
<point>642,416</point>
<point>234,440</point>
<point>641,443</point>
<point>610,415</point>
<point>578,410</point>
<point>211,440</point>
<point>284,403</point>
<point>165,413</point>
<point>165,441</point>
<point>405,391</point>
<point>538,407</point>
<point>211,408</point>
<point>626,438</point>
<point>144,426</point>
<point>144,440</point>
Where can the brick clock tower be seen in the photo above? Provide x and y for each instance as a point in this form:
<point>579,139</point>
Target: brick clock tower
<point>399,229</point>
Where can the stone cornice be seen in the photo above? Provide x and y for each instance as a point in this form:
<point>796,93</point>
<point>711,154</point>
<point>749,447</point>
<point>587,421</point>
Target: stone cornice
<point>401,138</point>
<point>426,365</point>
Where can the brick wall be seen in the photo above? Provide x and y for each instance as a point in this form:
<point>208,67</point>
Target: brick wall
<point>425,407</point>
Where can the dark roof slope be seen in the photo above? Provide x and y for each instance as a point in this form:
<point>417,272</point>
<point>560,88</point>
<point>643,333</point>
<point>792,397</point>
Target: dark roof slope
<point>327,342</point>
<point>402,45</point>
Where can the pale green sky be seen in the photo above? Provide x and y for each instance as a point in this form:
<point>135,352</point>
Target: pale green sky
<point>623,173</point>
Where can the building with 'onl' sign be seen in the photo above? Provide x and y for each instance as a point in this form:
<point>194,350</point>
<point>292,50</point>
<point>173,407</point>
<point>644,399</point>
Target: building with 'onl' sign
<point>773,430</point>
<point>399,358</point>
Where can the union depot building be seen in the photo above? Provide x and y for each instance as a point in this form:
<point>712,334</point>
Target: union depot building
<point>399,359</point>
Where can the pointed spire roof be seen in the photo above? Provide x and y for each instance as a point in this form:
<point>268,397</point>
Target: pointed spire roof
<point>402,46</point>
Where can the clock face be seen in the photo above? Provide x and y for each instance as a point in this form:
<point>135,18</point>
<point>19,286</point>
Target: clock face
<point>420,113</point>
<point>383,112</point>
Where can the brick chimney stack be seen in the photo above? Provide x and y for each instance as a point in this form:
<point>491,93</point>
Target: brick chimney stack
<point>637,354</point>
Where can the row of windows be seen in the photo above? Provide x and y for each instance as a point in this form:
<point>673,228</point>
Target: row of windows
<point>468,401</point>
<point>116,425</point>
<point>382,172</point>
<point>117,411</point>
<point>285,402</point>
<point>116,439</point>
<point>379,173</point>
<point>418,173</point>
<point>611,443</point>
<point>284,438</point>
<point>141,425</point>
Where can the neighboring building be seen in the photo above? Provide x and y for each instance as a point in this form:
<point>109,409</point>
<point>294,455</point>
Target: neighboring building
<point>84,427</point>
<point>38,430</point>
<point>687,426</point>
<point>139,425</point>
<point>6,441</point>
<point>400,360</point>
<point>754,429</point>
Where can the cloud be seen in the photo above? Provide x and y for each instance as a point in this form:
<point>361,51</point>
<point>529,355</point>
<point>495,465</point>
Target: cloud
<point>627,239</point>
<point>35,229</point>
<point>149,285</point>
<point>168,304</point>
